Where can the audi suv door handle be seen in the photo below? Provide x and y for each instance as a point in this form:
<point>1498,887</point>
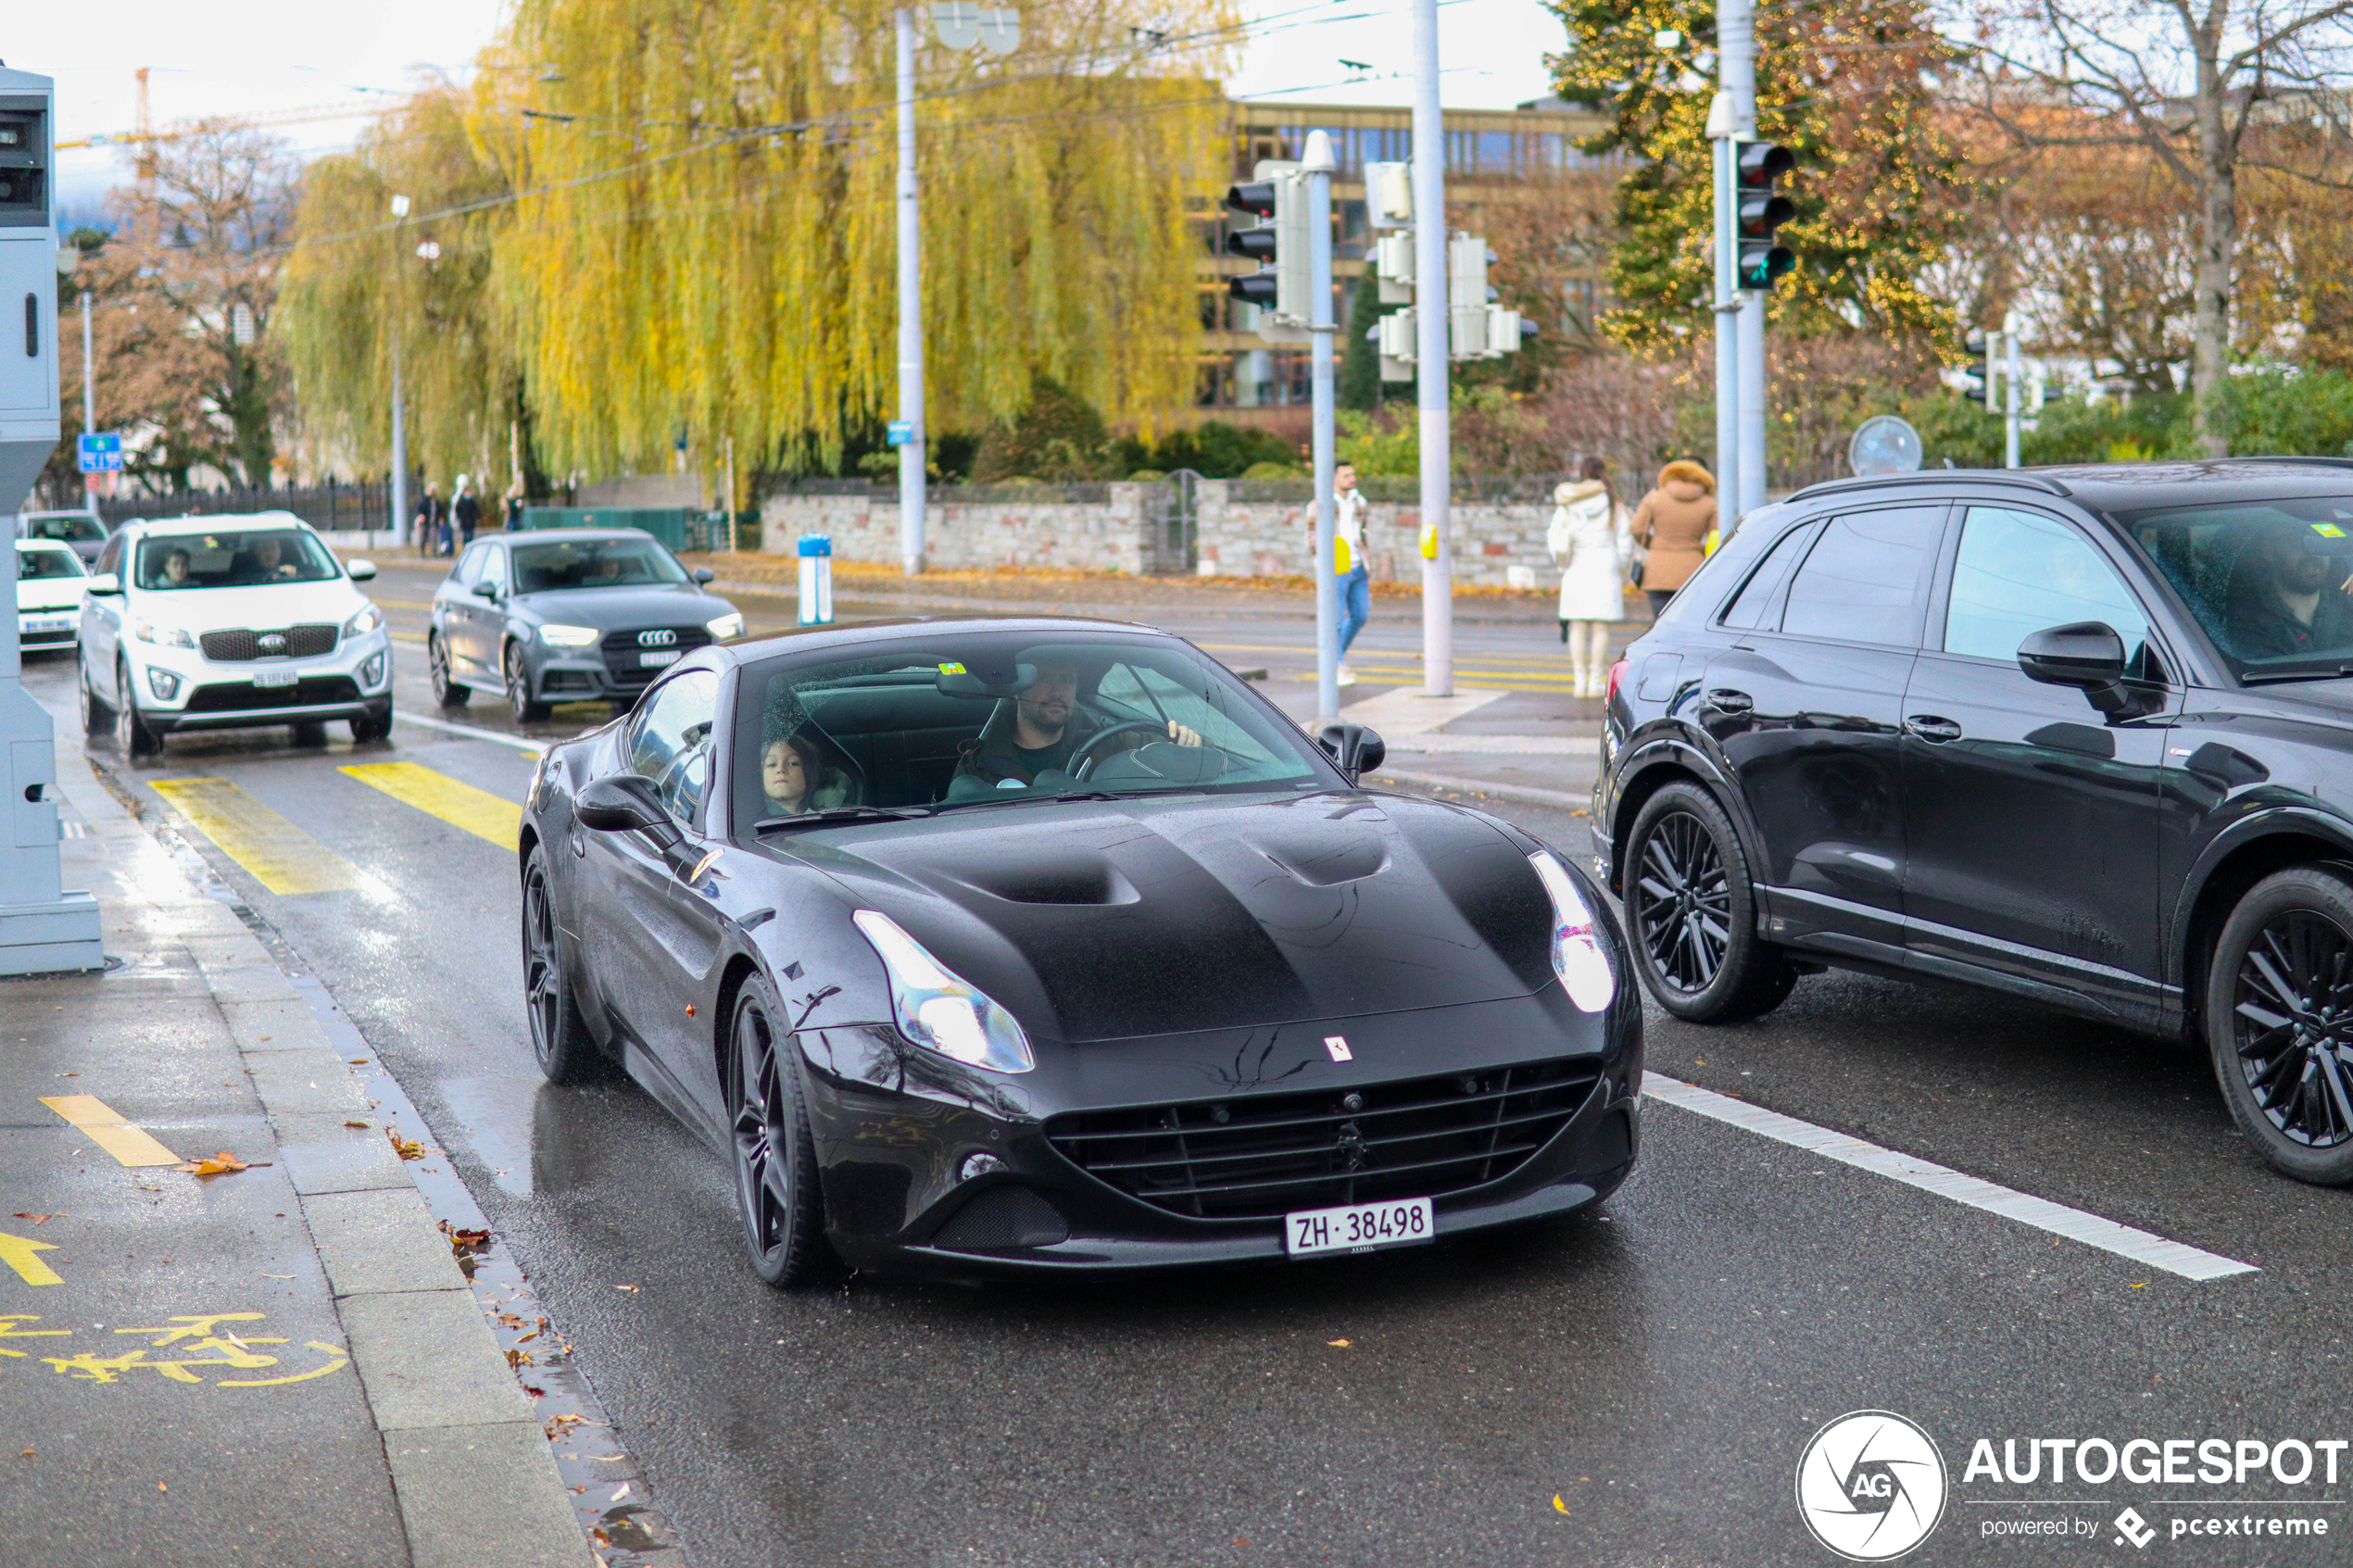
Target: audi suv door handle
<point>1930,728</point>
<point>1725,700</point>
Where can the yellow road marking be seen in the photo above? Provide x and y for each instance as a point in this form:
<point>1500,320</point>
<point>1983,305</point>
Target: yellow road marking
<point>399,604</point>
<point>279,856</point>
<point>17,1252</point>
<point>437,794</point>
<point>417,638</point>
<point>105,1126</point>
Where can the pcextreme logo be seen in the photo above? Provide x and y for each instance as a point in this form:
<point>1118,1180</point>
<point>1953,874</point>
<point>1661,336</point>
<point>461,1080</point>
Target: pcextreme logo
<point>1870,1486</point>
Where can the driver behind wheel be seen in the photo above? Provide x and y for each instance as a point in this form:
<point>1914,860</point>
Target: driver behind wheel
<point>1048,730</point>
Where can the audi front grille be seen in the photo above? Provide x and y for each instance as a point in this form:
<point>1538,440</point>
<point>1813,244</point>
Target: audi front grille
<point>621,650</point>
<point>1259,1156</point>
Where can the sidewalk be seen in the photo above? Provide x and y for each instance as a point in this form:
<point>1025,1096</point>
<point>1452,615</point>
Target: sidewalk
<point>277,1364</point>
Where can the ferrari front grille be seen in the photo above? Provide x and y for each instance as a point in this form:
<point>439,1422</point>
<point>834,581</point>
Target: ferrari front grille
<point>1258,1156</point>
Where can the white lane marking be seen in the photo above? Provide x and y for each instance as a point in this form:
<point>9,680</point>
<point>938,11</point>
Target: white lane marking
<point>534,746</point>
<point>2174,1256</point>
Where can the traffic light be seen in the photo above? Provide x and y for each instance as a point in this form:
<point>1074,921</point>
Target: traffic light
<point>1278,242</point>
<point>1979,370</point>
<point>1761,261</point>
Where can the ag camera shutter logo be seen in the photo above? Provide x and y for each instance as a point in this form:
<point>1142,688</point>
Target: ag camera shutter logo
<point>1870,1486</point>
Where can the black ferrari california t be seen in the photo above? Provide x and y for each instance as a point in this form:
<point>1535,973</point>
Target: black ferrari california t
<point>1039,946</point>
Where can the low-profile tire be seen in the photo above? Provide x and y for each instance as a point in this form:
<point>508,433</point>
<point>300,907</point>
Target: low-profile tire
<point>560,1037</point>
<point>2279,1020</point>
<point>775,1160</point>
<point>1690,912</point>
<point>373,725</point>
<point>447,690</point>
<point>133,736</point>
<point>97,717</point>
<point>520,702</point>
<point>307,731</point>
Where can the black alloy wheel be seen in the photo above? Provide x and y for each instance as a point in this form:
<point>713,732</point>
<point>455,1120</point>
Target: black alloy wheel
<point>1692,912</point>
<point>558,1035</point>
<point>775,1164</point>
<point>132,736</point>
<point>373,725</point>
<point>517,670</point>
<point>446,690</point>
<point>2279,1020</point>
<point>97,718</point>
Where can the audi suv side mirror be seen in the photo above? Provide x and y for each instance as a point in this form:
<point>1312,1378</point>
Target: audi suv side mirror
<point>704,576</point>
<point>1354,749</point>
<point>625,803</point>
<point>2087,655</point>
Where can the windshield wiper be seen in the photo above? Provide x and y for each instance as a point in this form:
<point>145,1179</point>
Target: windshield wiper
<point>2266,677</point>
<point>833,816</point>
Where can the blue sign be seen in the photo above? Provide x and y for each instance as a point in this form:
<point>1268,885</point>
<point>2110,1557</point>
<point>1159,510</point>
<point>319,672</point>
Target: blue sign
<point>100,454</point>
<point>900,432</point>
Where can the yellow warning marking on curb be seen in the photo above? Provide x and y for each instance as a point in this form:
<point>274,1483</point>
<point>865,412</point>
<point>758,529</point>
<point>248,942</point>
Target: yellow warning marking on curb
<point>106,1127</point>
<point>437,794</point>
<point>17,1252</point>
<point>279,856</point>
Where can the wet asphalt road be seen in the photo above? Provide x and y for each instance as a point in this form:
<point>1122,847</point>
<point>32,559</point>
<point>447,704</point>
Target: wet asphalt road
<point>1632,1387</point>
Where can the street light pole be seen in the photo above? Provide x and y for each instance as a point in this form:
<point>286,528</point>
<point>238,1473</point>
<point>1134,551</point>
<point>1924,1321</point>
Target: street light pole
<point>399,407</point>
<point>1433,341</point>
<point>2014,400</point>
<point>914,444</point>
<point>89,375</point>
<point>1317,164</point>
<point>1743,491</point>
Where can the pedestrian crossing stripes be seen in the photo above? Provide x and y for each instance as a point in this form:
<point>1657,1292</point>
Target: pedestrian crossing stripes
<point>437,794</point>
<point>277,854</point>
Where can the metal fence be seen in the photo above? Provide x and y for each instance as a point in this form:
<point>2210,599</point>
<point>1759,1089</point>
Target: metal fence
<point>1395,490</point>
<point>330,508</point>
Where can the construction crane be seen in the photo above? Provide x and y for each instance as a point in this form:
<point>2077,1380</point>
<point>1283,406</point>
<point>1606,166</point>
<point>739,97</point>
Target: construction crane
<point>145,136</point>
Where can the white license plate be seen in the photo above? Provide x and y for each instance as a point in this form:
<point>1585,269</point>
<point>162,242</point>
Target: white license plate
<point>656,660</point>
<point>276,677</point>
<point>1359,1227</point>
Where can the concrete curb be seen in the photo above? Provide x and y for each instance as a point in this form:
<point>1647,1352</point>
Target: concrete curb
<point>473,1476</point>
<point>1527,794</point>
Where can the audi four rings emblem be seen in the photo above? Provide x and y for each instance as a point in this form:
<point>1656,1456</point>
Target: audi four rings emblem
<point>659,639</point>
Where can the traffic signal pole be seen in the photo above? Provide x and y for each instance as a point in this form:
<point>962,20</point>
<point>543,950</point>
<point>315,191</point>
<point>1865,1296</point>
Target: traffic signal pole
<point>1727,303</point>
<point>1743,491</point>
<point>1318,165</point>
<point>910,314</point>
<point>1433,343</point>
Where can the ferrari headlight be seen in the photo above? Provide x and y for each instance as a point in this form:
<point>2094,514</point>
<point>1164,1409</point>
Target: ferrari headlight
<point>366,621</point>
<point>163,636</point>
<point>939,1009</point>
<point>568,636</point>
<point>724,627</point>
<point>1579,957</point>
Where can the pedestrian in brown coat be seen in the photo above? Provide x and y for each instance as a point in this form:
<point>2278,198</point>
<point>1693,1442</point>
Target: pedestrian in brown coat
<point>1673,525</point>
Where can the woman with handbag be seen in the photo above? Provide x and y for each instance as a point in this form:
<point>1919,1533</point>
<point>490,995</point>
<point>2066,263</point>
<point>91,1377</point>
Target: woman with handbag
<point>1671,527</point>
<point>1589,542</point>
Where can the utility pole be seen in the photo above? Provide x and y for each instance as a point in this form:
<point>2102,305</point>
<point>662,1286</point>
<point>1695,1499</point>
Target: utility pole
<point>912,443</point>
<point>89,374</point>
<point>1736,64</point>
<point>1317,164</point>
<point>2013,396</point>
<point>1432,346</point>
<point>399,407</point>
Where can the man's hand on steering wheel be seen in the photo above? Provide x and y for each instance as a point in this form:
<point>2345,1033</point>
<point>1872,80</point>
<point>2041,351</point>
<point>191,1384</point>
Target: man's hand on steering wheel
<point>1183,735</point>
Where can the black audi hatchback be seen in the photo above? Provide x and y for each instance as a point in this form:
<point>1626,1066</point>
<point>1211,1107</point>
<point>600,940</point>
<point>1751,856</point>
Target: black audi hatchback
<point>2082,736</point>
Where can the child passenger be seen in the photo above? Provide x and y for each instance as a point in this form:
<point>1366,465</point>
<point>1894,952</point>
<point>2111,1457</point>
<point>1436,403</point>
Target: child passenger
<point>795,777</point>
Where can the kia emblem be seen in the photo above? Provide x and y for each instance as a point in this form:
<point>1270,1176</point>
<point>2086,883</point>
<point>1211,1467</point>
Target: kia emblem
<point>272,642</point>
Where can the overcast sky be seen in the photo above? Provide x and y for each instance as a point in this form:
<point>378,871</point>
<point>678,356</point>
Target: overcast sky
<point>245,57</point>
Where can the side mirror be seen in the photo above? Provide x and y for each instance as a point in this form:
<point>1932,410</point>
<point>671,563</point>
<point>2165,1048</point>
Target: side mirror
<point>704,576</point>
<point>485,590</point>
<point>625,803</point>
<point>359,571</point>
<point>2087,655</point>
<point>104,582</point>
<point>1354,749</point>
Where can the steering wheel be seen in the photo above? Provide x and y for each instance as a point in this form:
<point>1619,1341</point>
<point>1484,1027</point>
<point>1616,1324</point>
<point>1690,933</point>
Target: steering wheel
<point>1083,760</point>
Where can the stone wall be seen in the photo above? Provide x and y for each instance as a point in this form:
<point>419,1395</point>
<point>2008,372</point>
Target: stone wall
<point>1496,541</point>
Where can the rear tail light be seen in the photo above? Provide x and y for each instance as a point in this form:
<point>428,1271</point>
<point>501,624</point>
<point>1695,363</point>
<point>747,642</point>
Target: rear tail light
<point>1617,673</point>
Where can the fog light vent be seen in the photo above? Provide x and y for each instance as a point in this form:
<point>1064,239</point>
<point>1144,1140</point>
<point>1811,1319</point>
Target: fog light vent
<point>1002,1219</point>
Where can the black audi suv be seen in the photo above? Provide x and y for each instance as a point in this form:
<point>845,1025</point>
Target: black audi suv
<point>2079,734</point>
<point>568,615</point>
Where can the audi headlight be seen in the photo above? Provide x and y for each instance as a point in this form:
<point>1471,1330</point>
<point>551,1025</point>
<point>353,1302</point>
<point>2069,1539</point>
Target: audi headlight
<point>1579,957</point>
<point>726,626</point>
<point>163,636</point>
<point>569,636</point>
<point>939,1009</point>
<point>365,621</point>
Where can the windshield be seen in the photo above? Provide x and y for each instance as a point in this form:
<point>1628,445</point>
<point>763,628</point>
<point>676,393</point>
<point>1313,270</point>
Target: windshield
<point>67,528</point>
<point>990,718</point>
<point>46,560</point>
<point>593,563</point>
<point>248,559</point>
<point>2272,582</point>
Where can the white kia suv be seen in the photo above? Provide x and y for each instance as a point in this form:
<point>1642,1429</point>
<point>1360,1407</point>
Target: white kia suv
<point>225,623</point>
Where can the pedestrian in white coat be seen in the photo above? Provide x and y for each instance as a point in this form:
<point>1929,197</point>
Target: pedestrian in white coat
<point>1589,542</point>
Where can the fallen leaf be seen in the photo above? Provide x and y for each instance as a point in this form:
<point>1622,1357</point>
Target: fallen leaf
<point>355,1123</point>
<point>1558,1505</point>
<point>464,1242</point>
<point>2142,1286</point>
<point>24,1454</point>
<point>535,1393</point>
<point>591,1456</point>
<point>628,1288</point>
<point>220,1164</point>
<point>407,1148</point>
<point>36,1219</point>
<point>162,1487</point>
<point>519,1357</point>
<point>618,1492</point>
<point>1338,1344</point>
<point>359,1061</point>
<point>277,1276</point>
